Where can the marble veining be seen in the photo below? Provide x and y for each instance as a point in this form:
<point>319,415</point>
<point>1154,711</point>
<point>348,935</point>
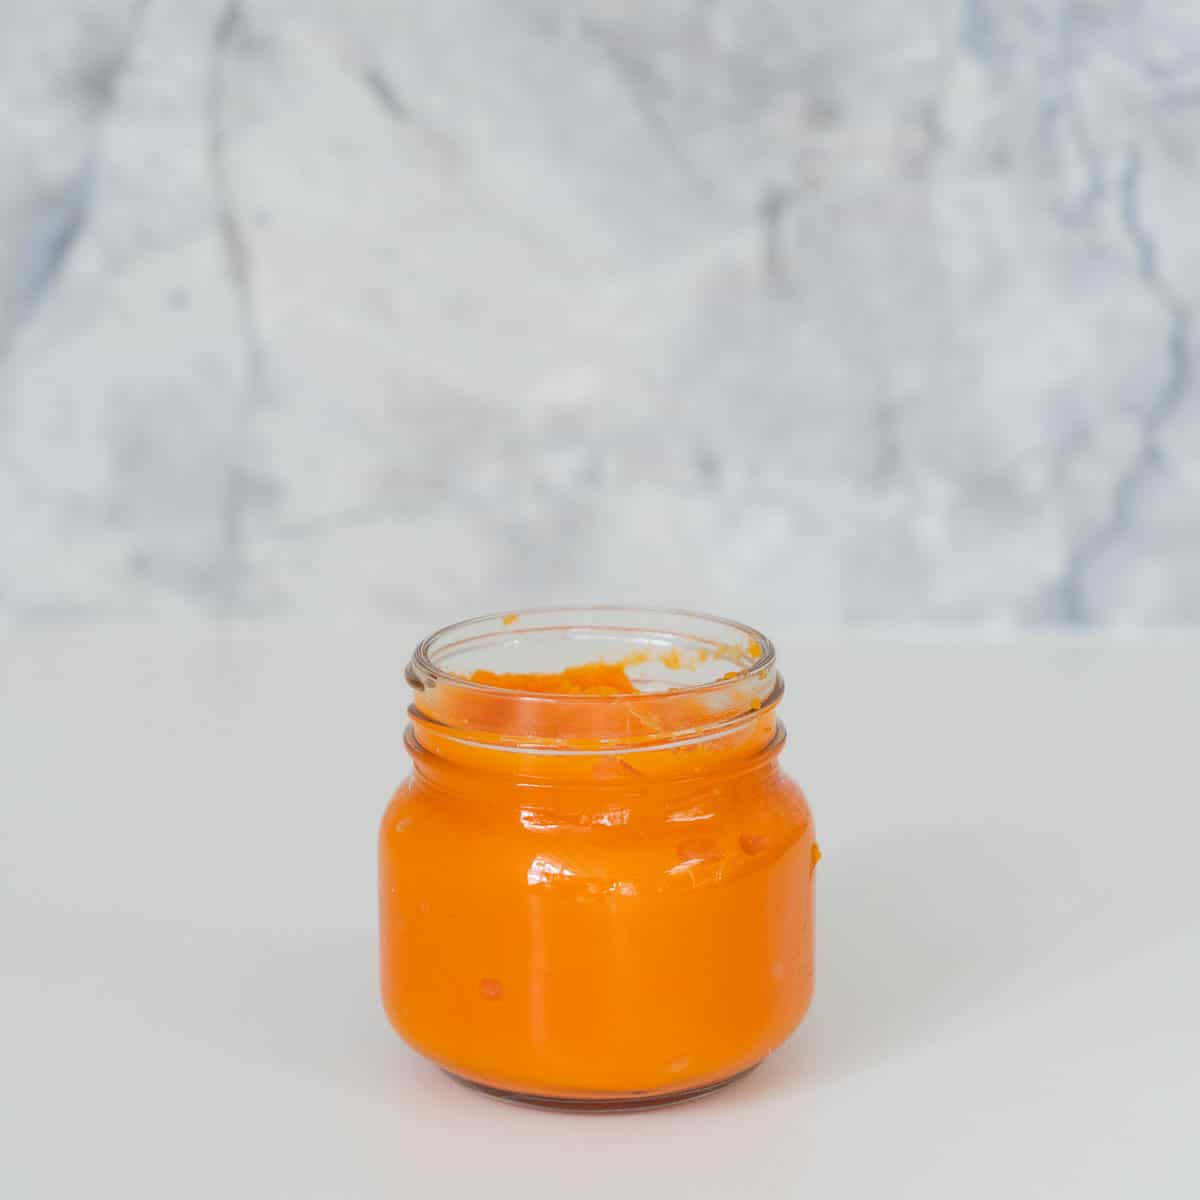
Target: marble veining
<point>370,311</point>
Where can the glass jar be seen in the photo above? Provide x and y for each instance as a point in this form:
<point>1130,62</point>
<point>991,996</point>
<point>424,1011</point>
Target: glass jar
<point>596,897</point>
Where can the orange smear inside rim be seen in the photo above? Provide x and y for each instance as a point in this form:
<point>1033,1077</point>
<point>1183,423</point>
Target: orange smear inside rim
<point>608,678</point>
<point>590,679</point>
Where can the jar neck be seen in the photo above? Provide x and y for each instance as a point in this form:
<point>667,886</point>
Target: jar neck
<point>631,699</point>
<point>450,759</point>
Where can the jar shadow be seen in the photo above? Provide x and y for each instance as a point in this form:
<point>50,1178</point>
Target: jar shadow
<point>921,936</point>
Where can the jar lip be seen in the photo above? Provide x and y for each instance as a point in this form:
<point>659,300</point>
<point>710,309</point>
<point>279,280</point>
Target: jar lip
<point>423,670</point>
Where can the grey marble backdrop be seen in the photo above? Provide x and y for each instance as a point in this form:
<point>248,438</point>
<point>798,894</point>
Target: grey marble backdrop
<point>871,311</point>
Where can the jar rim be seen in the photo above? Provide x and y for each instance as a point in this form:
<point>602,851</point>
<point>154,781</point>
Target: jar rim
<point>424,670</point>
<point>676,659</point>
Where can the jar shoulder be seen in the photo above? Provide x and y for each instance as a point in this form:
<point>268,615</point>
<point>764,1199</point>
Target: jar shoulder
<point>632,843</point>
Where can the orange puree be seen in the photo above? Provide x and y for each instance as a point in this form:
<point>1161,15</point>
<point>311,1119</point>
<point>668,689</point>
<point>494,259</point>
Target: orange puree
<point>591,679</point>
<point>589,892</point>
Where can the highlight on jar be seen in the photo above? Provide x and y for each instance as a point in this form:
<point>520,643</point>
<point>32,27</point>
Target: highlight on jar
<point>596,884</point>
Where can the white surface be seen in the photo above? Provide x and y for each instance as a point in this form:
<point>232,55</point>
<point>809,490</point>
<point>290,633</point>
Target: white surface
<point>878,310</point>
<point>1008,980</point>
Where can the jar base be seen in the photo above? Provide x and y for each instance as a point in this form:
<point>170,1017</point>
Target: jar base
<point>619,1102</point>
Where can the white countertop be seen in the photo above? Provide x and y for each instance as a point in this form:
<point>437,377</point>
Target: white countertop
<point>1008,980</point>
